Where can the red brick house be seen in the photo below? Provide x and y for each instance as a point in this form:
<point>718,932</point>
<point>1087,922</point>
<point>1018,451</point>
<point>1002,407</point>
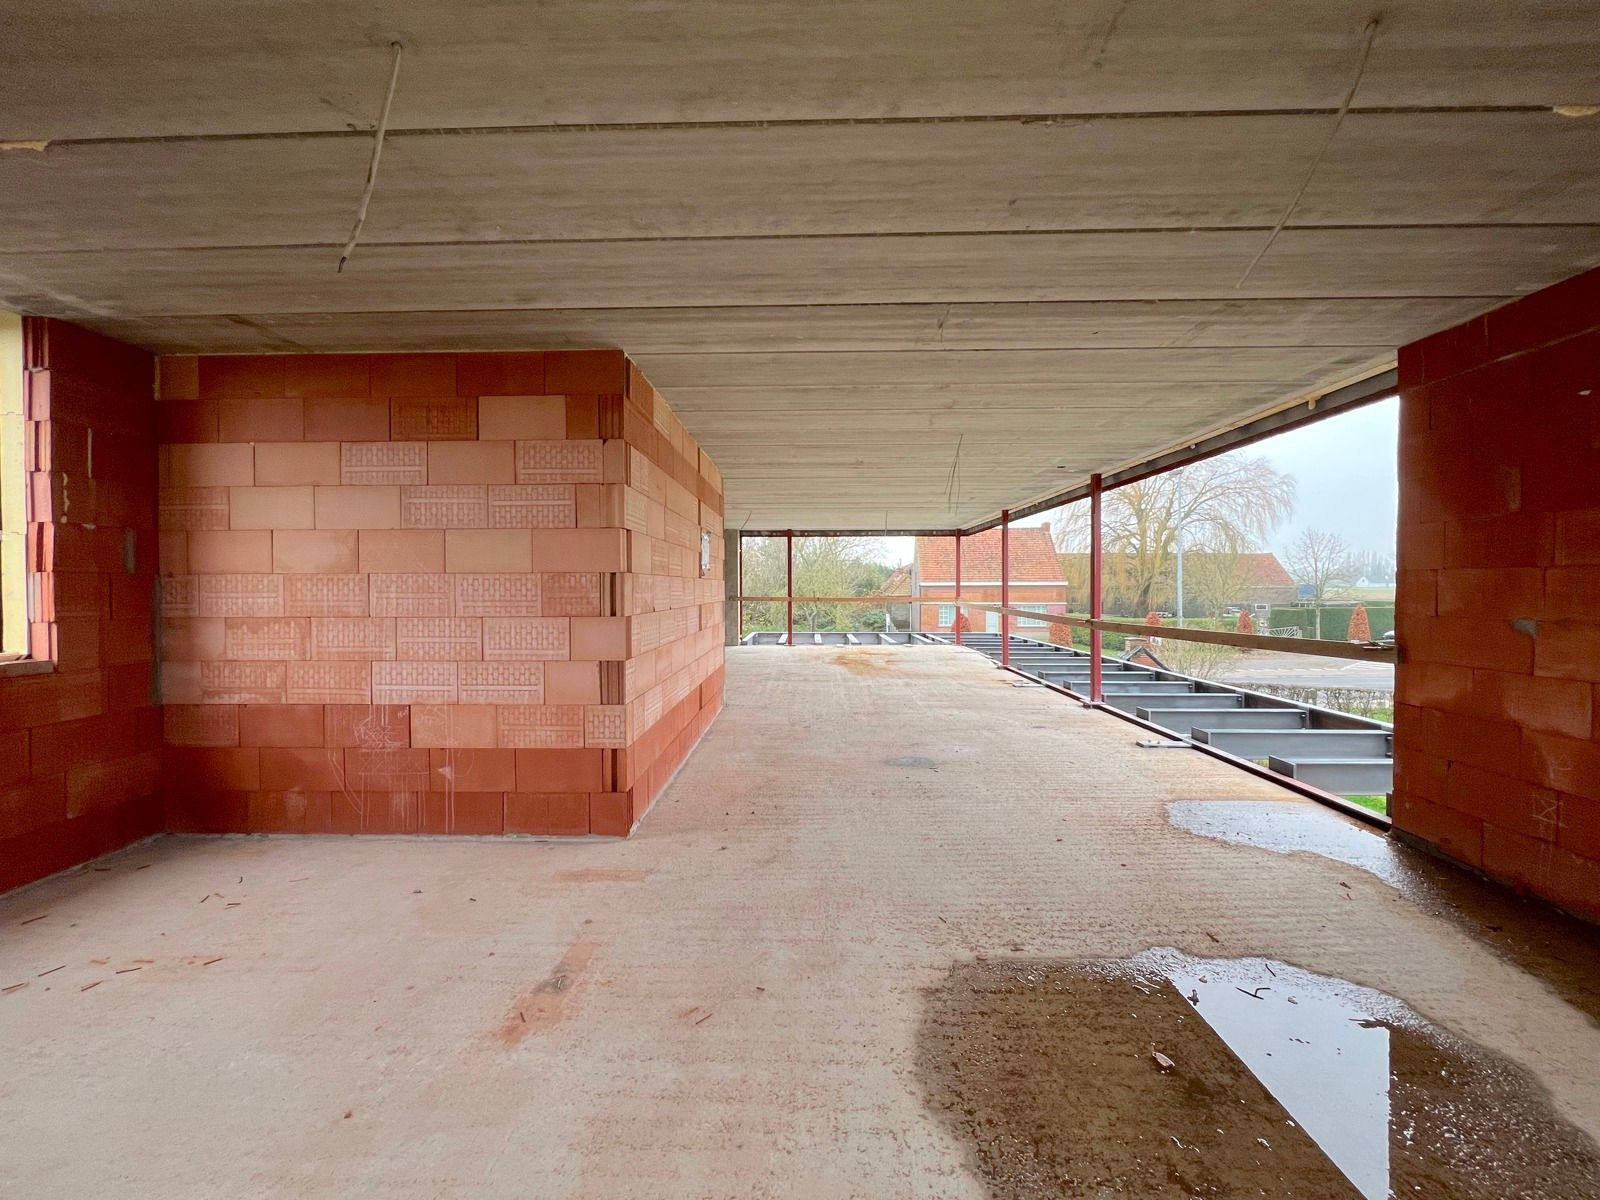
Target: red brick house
<point>1037,581</point>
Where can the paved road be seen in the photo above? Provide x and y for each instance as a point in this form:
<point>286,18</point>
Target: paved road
<point>1305,670</point>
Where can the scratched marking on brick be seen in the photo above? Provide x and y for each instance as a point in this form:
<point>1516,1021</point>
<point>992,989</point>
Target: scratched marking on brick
<point>502,683</point>
<point>414,683</point>
<point>497,595</point>
<point>411,595</point>
<point>454,506</point>
<point>532,506</point>
<point>559,462</point>
<point>426,419</point>
<point>357,638</point>
<point>329,683</point>
<point>241,596</point>
<point>242,682</point>
<point>383,462</point>
<point>605,726</point>
<point>525,638</point>
<point>571,594</point>
<point>325,595</point>
<point>1546,811</point>
<point>439,639</point>
<point>266,638</point>
<point>193,508</point>
<point>378,730</point>
<point>550,726</point>
<point>180,596</point>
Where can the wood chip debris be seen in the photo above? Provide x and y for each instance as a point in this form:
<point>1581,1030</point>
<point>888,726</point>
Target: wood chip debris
<point>14,987</point>
<point>95,984</point>
<point>1162,1061</point>
<point>31,920</point>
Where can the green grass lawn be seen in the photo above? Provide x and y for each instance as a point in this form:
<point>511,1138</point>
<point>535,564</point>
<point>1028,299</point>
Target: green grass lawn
<point>1378,804</point>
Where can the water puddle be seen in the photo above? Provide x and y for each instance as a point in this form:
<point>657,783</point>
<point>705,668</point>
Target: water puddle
<point>1293,828</point>
<point>1173,1076</point>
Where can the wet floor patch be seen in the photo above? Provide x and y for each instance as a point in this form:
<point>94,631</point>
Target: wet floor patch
<point>1562,951</point>
<point>1294,828</point>
<point>1173,1076</point>
<point>917,762</point>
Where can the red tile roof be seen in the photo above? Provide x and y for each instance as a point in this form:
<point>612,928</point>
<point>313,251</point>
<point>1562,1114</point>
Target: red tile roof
<point>1033,557</point>
<point>1255,570</point>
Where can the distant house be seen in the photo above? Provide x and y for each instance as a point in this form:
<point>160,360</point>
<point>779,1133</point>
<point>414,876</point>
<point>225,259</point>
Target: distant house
<point>1210,580</point>
<point>1037,582</point>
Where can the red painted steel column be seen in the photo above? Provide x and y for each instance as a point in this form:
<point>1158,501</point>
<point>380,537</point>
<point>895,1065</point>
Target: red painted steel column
<point>1094,587</point>
<point>788,583</point>
<point>1005,586</point>
<point>958,587</point>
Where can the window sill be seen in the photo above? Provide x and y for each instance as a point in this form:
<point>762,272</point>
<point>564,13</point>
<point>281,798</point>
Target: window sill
<point>26,666</point>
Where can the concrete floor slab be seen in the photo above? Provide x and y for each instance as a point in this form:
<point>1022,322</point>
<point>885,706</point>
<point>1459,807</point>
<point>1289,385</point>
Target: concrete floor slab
<point>734,1002</point>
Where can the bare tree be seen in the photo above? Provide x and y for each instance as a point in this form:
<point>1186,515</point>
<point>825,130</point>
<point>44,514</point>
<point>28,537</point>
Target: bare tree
<point>1226,504</point>
<point>1319,561</point>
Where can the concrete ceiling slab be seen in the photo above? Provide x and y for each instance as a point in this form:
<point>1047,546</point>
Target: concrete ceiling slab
<point>894,263</point>
<point>1161,172</point>
<point>81,68</point>
<point>1428,261</point>
<point>1370,321</point>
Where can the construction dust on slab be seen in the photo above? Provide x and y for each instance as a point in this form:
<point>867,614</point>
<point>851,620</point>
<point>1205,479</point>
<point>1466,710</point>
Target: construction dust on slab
<point>899,929</point>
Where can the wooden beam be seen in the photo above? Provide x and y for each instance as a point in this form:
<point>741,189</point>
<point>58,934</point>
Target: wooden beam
<point>1319,647</point>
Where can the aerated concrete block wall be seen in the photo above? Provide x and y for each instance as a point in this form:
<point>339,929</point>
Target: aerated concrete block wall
<point>432,593</point>
<point>80,733</point>
<point>1497,729</point>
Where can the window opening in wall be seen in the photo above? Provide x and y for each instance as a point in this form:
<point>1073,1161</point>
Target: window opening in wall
<point>13,492</point>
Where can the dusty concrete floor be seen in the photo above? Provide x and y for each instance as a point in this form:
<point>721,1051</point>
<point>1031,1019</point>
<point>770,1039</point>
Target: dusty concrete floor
<point>753,996</point>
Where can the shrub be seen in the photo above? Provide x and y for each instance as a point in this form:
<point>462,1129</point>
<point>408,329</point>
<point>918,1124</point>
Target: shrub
<point>1359,630</point>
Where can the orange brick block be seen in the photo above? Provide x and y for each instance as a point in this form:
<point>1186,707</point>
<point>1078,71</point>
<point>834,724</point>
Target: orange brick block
<point>296,725</point>
<point>288,464</point>
<point>513,418</point>
<point>432,419</point>
<point>270,508</point>
<point>356,419</point>
<point>367,726</point>
<point>401,552</point>
<point>414,375</point>
<point>457,725</point>
<point>318,550</point>
<point>260,419</point>
<point>471,463</point>
<point>372,507</point>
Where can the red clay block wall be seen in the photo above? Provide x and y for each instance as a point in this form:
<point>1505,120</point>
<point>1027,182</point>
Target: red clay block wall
<point>80,745</point>
<point>1497,729</point>
<point>430,593</point>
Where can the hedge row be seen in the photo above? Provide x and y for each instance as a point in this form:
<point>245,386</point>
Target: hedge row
<point>1335,621</point>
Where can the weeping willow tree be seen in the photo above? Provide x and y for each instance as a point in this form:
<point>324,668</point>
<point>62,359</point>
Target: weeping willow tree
<point>1225,506</point>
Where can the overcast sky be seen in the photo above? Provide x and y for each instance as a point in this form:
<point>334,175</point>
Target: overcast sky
<point>1345,475</point>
